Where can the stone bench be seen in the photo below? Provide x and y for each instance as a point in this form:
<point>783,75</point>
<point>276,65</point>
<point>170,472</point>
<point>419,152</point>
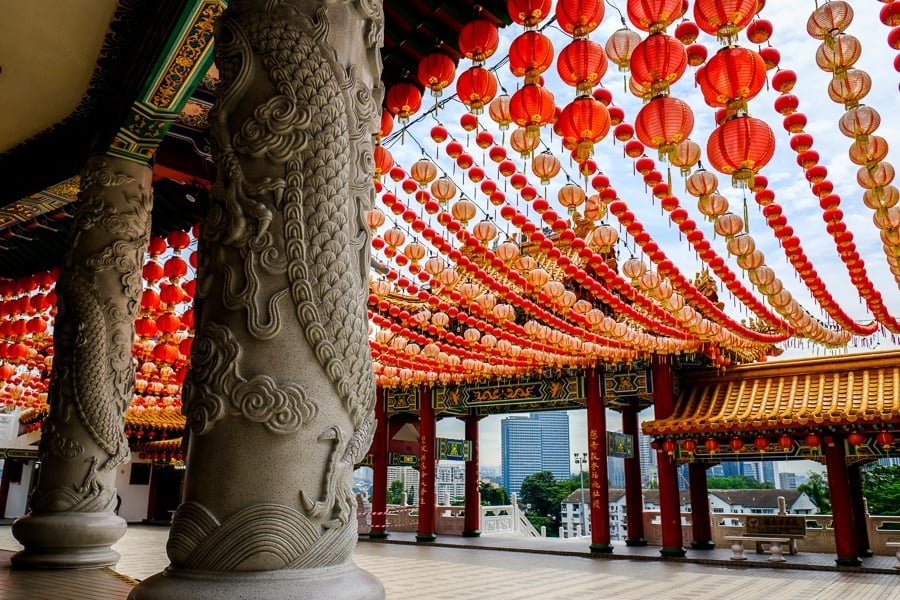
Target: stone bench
<point>897,546</point>
<point>775,551</point>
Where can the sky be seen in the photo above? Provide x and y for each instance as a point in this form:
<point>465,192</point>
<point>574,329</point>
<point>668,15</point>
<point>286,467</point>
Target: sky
<point>801,208</point>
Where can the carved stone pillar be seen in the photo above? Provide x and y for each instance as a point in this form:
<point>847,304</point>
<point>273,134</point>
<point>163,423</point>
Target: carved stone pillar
<point>72,524</point>
<point>281,394</point>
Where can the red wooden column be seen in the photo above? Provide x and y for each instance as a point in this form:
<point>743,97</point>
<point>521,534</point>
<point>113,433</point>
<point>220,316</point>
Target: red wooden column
<point>427,428</point>
<point>379,468</point>
<point>472,521</point>
<point>669,498</point>
<point>702,530</point>
<point>634,496</point>
<point>597,466</point>
<point>860,518</point>
<point>839,492</point>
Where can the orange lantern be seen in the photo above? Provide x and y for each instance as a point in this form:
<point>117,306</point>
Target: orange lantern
<point>654,16</point>
<point>531,107</point>
<point>528,12</point>
<point>740,147</point>
<point>658,62</point>
<point>530,54</point>
<point>499,111</point>
<point>545,166</point>
<point>724,18</point>
<point>619,47</point>
<point>731,78</point>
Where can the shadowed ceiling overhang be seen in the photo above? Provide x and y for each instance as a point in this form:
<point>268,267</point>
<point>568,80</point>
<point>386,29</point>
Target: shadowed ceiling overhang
<point>860,391</point>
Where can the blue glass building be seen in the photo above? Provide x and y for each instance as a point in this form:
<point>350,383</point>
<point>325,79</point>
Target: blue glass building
<point>535,443</point>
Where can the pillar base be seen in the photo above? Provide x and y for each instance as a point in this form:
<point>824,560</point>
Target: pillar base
<point>703,545</point>
<point>601,548</point>
<point>425,537</point>
<point>67,540</point>
<point>471,534</point>
<point>848,561</point>
<point>635,541</point>
<point>673,552</point>
<point>378,535</point>
<point>867,553</point>
<point>342,582</point>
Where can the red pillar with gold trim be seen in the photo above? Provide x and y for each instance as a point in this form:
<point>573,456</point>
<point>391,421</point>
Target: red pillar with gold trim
<point>634,495</point>
<point>379,468</point>
<point>599,480</point>
<point>700,518</point>
<point>472,520</point>
<point>839,493</point>
<point>427,428</point>
<point>860,518</point>
<point>669,497</point>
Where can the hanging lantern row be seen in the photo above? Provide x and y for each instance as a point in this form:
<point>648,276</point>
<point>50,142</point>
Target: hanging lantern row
<point>812,441</point>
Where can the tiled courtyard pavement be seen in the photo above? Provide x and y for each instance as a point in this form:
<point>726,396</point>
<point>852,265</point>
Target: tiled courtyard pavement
<point>412,572</point>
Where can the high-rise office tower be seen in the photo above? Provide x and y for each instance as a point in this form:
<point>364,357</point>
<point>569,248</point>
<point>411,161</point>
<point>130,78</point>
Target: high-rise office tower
<point>535,443</point>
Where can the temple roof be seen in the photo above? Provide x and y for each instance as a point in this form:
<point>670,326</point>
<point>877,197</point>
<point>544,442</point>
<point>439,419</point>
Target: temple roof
<point>861,390</point>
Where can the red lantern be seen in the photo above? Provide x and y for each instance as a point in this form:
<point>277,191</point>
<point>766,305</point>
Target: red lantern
<point>531,107</point>
<point>436,72</point>
<point>724,18</point>
<point>689,445</point>
<point>759,31</point>
<point>736,444</point>
<point>731,78</point>
<point>663,123</point>
<point>687,32</point>
<point>178,239</point>
<point>813,441</point>
<point>476,87</point>
<point>403,100</point>
<point>654,15</point>
<point>885,439</point>
<point>786,442</point>
<point>711,445</point>
<point>669,446</point>
<point>696,54</point>
<point>530,54</point>
<point>528,12</point>
<point>383,161</point>
<point>581,64</point>
<point>657,62</point>
<point>761,442</point>
<point>856,438</point>
<point>584,122</point>
<point>740,147</point>
<point>579,17</point>
<point>478,40</point>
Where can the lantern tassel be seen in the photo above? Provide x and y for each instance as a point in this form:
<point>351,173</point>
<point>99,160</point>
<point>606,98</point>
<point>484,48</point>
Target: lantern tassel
<point>746,216</point>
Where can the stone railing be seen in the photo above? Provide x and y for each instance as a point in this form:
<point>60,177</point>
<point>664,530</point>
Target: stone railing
<point>819,531</point>
<point>450,520</point>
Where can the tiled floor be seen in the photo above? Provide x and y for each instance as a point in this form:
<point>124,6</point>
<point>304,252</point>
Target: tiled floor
<point>414,572</point>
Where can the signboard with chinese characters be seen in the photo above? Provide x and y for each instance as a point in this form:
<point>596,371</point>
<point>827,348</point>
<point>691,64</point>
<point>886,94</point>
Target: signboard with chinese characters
<point>402,400</point>
<point>627,386</point>
<point>528,395</point>
<point>620,445</point>
<point>449,449</point>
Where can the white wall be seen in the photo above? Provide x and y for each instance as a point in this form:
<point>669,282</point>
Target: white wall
<point>135,498</point>
<point>17,500</point>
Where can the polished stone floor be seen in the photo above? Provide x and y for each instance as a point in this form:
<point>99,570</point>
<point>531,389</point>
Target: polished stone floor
<point>414,572</point>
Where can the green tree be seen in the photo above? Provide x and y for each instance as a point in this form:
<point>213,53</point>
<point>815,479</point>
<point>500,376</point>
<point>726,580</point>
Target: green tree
<point>736,482</point>
<point>816,487</point>
<point>395,492</point>
<point>543,495</point>
<point>881,487</point>
<point>492,494</point>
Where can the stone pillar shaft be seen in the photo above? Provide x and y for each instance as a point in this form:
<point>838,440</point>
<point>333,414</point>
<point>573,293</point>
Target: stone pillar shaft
<point>427,453</point>
<point>71,523</point>
<point>845,541</point>
<point>634,501</point>
<point>669,496</point>
<point>472,521</point>
<point>597,466</point>
<point>280,395</point>
<point>700,516</point>
<point>379,469</point>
